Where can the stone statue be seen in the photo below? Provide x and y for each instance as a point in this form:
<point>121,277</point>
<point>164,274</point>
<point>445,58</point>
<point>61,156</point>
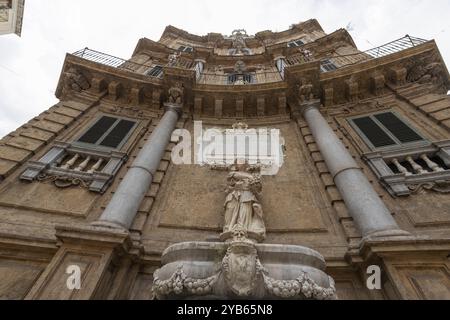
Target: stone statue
<point>176,94</point>
<point>242,208</point>
<point>239,41</point>
<point>173,58</point>
<point>305,92</point>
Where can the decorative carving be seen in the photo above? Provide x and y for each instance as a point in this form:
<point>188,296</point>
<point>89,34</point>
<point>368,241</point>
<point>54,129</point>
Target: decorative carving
<point>239,45</point>
<point>179,283</point>
<point>176,94</point>
<point>242,208</point>
<point>436,186</point>
<point>240,67</point>
<point>428,69</point>
<point>241,266</point>
<point>302,286</point>
<point>75,80</point>
<point>173,58</point>
<point>63,181</point>
<point>241,274</point>
<point>305,92</point>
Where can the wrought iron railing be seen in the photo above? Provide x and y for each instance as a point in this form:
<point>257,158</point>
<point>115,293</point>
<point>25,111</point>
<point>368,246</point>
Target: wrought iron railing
<point>345,60</point>
<point>338,61</point>
<point>115,62</point>
<point>387,49</point>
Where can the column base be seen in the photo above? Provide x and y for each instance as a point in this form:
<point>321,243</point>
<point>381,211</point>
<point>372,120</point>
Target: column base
<point>108,225</point>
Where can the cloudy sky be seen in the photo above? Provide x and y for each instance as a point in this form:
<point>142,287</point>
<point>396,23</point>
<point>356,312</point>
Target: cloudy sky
<point>30,65</point>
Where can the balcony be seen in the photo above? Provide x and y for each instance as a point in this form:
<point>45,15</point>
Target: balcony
<point>119,63</point>
<point>341,61</point>
<point>251,78</point>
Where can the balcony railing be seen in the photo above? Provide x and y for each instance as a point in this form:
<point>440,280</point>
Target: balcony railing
<point>333,62</point>
<point>345,60</point>
<point>115,62</point>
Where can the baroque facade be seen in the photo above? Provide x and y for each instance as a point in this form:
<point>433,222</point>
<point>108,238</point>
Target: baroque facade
<point>89,187</point>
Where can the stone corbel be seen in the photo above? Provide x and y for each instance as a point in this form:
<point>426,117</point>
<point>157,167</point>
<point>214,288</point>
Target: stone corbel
<point>98,85</point>
<point>377,83</point>
<point>398,76</point>
<point>135,96</point>
<point>352,90</point>
<point>115,90</point>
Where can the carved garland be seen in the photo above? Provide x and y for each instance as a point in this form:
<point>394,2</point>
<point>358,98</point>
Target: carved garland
<point>436,186</point>
<point>63,181</point>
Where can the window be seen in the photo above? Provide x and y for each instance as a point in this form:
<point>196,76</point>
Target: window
<point>185,49</point>
<point>155,71</point>
<point>108,132</point>
<point>295,43</point>
<point>244,78</point>
<point>327,65</point>
<point>385,129</point>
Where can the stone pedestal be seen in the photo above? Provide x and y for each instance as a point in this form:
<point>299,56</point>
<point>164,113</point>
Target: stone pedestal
<point>241,269</point>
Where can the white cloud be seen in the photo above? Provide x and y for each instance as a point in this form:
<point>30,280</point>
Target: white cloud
<point>30,66</point>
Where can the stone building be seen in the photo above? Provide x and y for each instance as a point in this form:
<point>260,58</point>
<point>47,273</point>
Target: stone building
<point>11,16</point>
<point>89,190</point>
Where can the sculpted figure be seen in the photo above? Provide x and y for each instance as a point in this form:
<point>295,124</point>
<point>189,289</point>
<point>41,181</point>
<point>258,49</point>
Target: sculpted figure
<point>75,80</point>
<point>176,94</point>
<point>243,211</point>
<point>305,92</point>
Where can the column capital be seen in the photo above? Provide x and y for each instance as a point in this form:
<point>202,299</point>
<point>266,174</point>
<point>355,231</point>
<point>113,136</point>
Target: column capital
<point>309,104</point>
<point>178,108</point>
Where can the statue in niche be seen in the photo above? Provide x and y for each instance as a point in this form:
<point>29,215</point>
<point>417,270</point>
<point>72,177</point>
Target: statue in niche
<point>243,211</point>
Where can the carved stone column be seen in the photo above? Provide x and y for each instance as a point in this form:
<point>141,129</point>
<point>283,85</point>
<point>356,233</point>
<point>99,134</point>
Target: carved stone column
<point>125,203</point>
<point>369,212</point>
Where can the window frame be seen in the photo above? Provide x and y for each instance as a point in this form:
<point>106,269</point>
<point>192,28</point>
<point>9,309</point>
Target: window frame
<point>296,45</point>
<point>398,143</point>
<point>326,62</point>
<point>186,48</point>
<point>251,75</point>
<point>153,67</point>
<point>97,146</point>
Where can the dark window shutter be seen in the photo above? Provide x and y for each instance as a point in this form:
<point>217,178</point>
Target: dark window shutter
<point>373,132</point>
<point>116,136</point>
<point>398,128</point>
<point>155,71</point>
<point>97,130</point>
